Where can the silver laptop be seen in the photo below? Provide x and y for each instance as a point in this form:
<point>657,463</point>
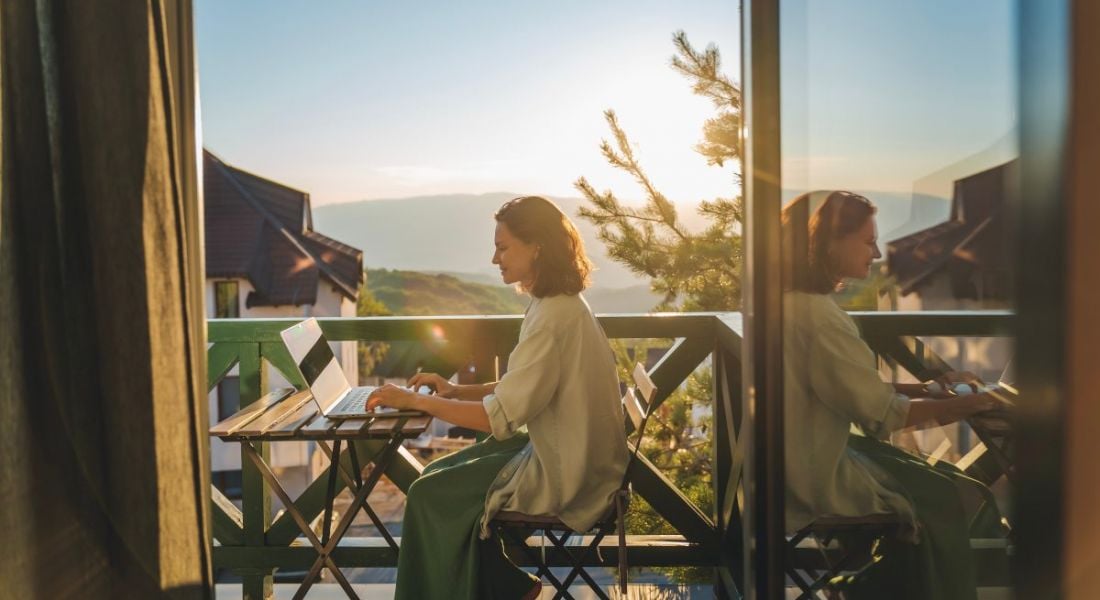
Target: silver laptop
<point>331,391</point>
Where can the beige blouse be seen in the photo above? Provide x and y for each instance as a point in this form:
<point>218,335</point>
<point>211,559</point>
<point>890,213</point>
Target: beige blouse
<point>561,385</point>
<point>831,383</point>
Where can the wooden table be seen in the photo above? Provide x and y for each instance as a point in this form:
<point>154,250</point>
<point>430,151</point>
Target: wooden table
<point>288,416</point>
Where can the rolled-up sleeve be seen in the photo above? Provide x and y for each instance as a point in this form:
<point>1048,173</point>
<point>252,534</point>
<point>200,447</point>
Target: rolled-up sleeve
<point>844,377</point>
<point>529,385</point>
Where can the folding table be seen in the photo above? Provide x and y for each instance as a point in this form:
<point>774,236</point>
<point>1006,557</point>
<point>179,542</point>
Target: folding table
<point>284,416</point>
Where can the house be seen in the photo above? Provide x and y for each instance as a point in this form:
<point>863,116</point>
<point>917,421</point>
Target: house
<point>964,262</point>
<point>265,260</point>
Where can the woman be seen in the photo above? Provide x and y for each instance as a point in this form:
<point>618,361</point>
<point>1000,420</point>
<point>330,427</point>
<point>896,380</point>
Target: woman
<point>831,383</point>
<point>558,446</point>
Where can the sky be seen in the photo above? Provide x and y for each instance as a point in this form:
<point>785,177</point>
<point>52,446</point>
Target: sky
<point>887,95</point>
<point>365,100</point>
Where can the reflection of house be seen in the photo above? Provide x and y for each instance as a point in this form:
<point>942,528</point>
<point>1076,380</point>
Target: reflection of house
<point>263,259</point>
<point>964,261</point>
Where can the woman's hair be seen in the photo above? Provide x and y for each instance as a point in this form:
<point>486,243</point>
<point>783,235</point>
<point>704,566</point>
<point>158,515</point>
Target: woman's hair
<point>561,266</point>
<point>808,234</point>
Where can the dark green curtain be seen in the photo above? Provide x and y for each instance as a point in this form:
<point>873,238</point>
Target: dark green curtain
<point>104,484</point>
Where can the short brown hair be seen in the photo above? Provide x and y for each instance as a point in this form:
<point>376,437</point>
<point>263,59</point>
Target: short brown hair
<point>807,237</point>
<point>561,266</point>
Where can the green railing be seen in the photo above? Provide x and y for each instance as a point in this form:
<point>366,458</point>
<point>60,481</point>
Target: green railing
<point>253,544</point>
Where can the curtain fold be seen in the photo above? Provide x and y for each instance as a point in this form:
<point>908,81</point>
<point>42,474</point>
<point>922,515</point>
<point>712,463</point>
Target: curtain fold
<point>104,468</point>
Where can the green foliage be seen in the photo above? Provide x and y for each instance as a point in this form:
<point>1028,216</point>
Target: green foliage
<point>864,294</point>
<point>414,293</point>
<point>370,353</point>
<point>722,133</point>
<point>693,270</point>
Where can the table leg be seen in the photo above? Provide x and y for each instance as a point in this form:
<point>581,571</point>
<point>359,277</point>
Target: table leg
<point>382,460</point>
<point>323,557</point>
<point>357,484</point>
<point>355,468</point>
<point>330,495</point>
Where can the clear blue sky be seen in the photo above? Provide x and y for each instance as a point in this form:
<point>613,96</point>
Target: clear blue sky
<point>880,94</point>
<point>353,100</point>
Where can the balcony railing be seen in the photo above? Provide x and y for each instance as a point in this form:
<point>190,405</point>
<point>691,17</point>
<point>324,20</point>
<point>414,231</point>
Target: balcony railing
<point>252,543</point>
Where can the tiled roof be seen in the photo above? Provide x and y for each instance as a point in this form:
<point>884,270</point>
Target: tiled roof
<point>970,246</point>
<point>262,231</point>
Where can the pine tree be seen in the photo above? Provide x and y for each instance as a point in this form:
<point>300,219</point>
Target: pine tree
<point>692,270</point>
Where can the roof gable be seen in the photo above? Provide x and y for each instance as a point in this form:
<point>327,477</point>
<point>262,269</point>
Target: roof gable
<point>971,243</point>
<point>262,231</point>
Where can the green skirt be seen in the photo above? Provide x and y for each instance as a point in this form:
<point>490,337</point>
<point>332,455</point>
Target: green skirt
<point>441,554</point>
<point>950,508</point>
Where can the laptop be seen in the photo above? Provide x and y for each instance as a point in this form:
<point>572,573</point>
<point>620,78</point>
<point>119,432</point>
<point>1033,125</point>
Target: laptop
<point>1006,390</point>
<point>335,397</point>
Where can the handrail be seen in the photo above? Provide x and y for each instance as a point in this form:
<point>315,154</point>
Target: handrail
<point>387,329</point>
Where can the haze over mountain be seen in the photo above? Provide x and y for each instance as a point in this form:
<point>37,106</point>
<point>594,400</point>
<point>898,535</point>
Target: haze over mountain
<point>451,233</point>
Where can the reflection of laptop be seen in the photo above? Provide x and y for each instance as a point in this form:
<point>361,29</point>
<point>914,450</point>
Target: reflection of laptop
<point>331,391</point>
<point>1006,390</point>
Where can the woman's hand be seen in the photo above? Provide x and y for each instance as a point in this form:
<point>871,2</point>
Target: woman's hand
<point>392,396</point>
<point>925,413</point>
<point>441,386</point>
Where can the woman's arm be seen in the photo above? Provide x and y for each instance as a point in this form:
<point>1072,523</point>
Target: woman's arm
<point>474,392</point>
<point>470,415</point>
<point>947,410</point>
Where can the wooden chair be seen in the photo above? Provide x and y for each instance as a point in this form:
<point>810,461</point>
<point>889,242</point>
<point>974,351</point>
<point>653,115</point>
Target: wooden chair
<point>516,527</point>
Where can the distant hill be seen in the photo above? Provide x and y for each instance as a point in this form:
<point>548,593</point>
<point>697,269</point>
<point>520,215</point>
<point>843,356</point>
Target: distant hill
<point>424,294</point>
<point>413,293</point>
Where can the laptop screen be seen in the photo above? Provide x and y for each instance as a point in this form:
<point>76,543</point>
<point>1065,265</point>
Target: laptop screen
<point>315,361</point>
<point>313,355</point>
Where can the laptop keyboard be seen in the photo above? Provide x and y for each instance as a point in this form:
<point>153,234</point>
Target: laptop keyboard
<point>355,401</point>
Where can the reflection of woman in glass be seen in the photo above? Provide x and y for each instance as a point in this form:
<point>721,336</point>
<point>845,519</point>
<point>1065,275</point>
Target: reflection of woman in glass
<point>558,446</point>
<point>831,383</point>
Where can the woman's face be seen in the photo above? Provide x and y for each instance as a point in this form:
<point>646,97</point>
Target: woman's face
<point>515,257</point>
<point>851,256</point>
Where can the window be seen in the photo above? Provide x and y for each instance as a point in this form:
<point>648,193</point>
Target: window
<point>226,300</point>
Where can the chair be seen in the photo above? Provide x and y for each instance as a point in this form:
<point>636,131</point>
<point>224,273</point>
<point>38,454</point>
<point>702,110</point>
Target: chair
<point>516,527</point>
<point>811,550</point>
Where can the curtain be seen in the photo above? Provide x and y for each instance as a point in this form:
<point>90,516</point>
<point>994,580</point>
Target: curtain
<point>104,482</point>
